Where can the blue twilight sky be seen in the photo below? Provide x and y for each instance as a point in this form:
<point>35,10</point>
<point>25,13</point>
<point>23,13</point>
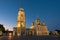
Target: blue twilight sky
<point>45,10</point>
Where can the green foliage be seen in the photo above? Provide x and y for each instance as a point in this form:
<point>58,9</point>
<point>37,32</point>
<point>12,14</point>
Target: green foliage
<point>58,31</point>
<point>2,28</point>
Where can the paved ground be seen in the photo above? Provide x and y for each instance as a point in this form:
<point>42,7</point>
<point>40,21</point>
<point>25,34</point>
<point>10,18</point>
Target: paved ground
<point>30,38</point>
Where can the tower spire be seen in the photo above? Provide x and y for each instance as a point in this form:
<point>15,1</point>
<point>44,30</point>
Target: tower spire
<point>20,3</point>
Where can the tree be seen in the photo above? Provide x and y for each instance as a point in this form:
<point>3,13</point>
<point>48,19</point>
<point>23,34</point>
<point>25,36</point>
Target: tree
<point>2,28</point>
<point>58,31</point>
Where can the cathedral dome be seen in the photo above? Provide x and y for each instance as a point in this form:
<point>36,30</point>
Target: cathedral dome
<point>43,26</point>
<point>32,26</point>
<point>43,23</point>
<point>37,21</point>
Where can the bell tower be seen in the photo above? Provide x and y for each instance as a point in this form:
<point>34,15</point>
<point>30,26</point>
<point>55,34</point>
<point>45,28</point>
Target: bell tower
<point>20,22</point>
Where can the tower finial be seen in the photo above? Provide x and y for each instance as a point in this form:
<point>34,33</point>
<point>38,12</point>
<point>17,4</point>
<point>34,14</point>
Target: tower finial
<point>20,3</point>
<point>21,7</point>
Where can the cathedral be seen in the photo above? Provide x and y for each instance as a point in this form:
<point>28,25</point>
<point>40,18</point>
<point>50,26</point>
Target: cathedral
<point>36,28</point>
